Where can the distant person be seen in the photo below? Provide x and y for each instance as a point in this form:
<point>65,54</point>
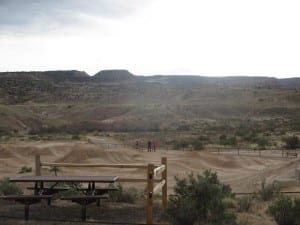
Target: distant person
<point>154,144</point>
<point>137,144</point>
<point>149,146</point>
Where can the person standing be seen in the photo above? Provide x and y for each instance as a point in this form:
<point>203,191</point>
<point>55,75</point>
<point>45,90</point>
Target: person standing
<point>154,145</point>
<point>149,146</point>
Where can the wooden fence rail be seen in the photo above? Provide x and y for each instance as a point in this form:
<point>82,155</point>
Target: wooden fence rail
<point>151,178</point>
<point>283,153</point>
<point>136,166</point>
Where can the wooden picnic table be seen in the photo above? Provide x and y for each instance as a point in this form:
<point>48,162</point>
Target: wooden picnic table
<point>91,193</point>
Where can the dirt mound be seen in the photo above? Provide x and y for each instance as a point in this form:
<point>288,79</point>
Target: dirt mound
<point>4,153</point>
<point>27,151</point>
<point>79,155</point>
<point>211,161</point>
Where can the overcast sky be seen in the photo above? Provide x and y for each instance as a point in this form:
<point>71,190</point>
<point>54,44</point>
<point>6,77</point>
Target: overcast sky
<point>214,38</point>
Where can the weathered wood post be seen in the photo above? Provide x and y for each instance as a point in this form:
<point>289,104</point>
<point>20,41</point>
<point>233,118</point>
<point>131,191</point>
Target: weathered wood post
<point>150,186</point>
<point>165,187</point>
<point>37,165</point>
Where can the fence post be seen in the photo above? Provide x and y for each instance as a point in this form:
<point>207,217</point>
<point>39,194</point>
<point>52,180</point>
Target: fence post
<point>37,165</point>
<point>165,187</point>
<point>150,185</point>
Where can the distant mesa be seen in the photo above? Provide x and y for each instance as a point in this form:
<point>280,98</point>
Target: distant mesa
<point>114,75</point>
<point>54,75</point>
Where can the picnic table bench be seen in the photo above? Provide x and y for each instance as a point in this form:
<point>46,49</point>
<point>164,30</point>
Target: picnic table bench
<point>84,200</point>
<point>27,200</point>
<point>48,190</point>
<point>97,190</point>
<point>84,190</point>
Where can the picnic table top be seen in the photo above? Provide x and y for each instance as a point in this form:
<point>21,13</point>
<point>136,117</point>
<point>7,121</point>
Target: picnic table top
<point>98,179</point>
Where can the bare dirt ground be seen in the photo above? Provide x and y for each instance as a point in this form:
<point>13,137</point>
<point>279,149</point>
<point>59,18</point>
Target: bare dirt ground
<point>243,173</point>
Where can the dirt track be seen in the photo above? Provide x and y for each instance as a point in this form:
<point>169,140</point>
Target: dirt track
<point>243,173</point>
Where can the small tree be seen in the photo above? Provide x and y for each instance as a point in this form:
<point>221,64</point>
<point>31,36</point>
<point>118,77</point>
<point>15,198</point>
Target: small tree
<point>200,199</point>
<point>197,145</point>
<point>291,142</point>
<point>262,143</point>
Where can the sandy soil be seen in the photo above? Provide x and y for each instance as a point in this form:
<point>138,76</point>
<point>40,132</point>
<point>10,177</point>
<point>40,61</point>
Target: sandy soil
<point>244,173</point>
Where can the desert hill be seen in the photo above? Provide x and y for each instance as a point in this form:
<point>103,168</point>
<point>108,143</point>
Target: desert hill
<point>113,76</point>
<point>117,100</point>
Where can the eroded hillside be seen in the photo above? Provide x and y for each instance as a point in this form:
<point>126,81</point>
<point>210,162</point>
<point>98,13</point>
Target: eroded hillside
<point>121,101</point>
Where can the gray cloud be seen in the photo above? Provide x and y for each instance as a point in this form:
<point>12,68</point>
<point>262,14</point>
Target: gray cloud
<point>21,14</point>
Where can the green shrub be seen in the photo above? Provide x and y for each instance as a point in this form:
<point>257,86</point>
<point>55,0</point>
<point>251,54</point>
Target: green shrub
<point>224,140</point>
<point>291,142</point>
<point>197,145</point>
<point>25,169</point>
<point>285,211</point>
<point>297,210</point>
<point>183,127</point>
<point>180,144</point>
<point>128,195</point>
<point>75,137</point>
<point>268,191</point>
<point>244,203</point>
<point>262,143</point>
<point>199,199</point>
<point>71,192</point>
<point>34,137</point>
<point>8,188</point>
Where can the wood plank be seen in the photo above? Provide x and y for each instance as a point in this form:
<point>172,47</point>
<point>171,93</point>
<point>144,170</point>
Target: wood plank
<point>138,166</point>
<point>158,187</point>
<point>137,180</point>
<point>159,170</point>
<point>99,179</point>
<point>83,197</point>
<point>25,197</point>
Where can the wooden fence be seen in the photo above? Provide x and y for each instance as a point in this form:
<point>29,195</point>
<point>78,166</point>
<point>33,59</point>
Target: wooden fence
<point>280,153</point>
<point>152,172</point>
